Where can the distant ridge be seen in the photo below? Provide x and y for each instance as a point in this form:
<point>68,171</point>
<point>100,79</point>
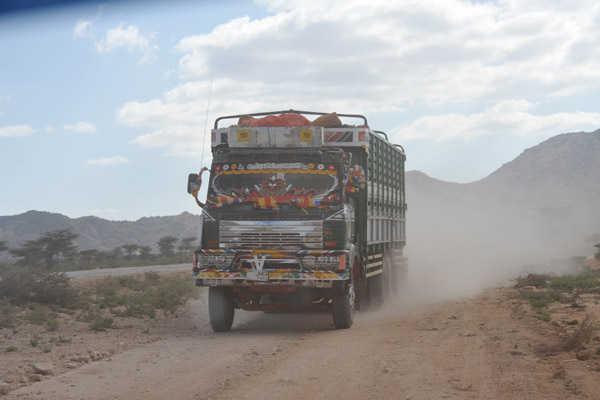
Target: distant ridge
<point>558,179</point>
<point>97,233</point>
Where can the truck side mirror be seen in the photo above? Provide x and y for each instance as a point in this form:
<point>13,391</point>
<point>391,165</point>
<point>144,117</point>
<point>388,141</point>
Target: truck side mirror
<point>193,182</point>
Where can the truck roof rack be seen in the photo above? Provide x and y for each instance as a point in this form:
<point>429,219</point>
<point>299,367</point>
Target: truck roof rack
<point>289,111</point>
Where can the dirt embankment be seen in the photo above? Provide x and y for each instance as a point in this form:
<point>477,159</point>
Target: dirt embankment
<point>491,346</point>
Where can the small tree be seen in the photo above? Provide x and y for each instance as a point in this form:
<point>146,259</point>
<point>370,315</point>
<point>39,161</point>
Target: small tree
<point>116,253</point>
<point>47,250</point>
<point>186,245</point>
<point>130,249</point>
<point>597,255</point>
<point>87,258</point>
<point>166,246</point>
<point>58,244</point>
<point>3,246</point>
<point>30,254</point>
<point>145,252</point>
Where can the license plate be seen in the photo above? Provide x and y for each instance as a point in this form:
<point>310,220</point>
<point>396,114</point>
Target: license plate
<point>262,276</point>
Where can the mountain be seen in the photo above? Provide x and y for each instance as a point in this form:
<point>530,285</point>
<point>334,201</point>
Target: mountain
<point>545,202</point>
<point>97,233</point>
<point>563,171</point>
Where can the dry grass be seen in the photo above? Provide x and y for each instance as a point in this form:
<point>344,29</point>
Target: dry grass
<point>575,340</point>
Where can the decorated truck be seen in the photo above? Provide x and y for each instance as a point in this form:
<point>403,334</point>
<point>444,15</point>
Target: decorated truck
<point>300,214</point>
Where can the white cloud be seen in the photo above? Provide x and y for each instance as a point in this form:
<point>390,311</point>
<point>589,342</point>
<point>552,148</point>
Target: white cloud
<point>121,37</point>
<point>16,130</point>
<point>83,29</point>
<point>510,117</point>
<point>382,58</point>
<point>130,38</point>
<point>108,161</point>
<point>81,127</point>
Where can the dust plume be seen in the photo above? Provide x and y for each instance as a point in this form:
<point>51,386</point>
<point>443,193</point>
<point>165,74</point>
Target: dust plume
<point>460,246</point>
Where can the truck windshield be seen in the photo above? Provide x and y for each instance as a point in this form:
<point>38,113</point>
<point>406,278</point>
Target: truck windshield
<point>283,182</point>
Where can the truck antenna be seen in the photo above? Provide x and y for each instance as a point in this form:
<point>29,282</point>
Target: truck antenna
<point>206,121</point>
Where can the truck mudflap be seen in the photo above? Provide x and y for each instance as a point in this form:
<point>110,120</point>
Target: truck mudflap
<point>277,267</point>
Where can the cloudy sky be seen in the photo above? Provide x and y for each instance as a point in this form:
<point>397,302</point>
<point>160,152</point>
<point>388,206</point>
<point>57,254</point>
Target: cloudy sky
<point>103,107</point>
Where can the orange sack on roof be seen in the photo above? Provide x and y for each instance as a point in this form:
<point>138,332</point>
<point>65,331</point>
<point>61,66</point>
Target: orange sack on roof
<point>289,119</point>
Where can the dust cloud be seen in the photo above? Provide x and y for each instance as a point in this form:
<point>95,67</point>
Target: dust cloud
<point>456,247</point>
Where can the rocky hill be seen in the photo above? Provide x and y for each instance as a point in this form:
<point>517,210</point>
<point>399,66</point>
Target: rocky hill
<point>97,233</point>
<point>546,201</point>
<point>561,172</point>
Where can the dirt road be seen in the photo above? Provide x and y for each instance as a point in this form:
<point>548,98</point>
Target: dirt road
<point>478,348</point>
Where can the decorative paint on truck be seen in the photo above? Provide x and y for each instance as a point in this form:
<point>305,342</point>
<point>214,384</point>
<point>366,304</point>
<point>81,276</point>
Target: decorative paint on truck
<point>300,217</point>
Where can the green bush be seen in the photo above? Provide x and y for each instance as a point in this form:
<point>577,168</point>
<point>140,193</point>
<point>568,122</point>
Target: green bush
<point>543,298</point>
<point>38,314</point>
<point>587,279</point>
<point>537,280</point>
<point>131,283</point>
<point>144,297</point>
<point>101,323</point>
<point>152,276</point>
<point>52,324</point>
<point>8,315</point>
<point>23,286</point>
<point>106,287</point>
<point>544,315</point>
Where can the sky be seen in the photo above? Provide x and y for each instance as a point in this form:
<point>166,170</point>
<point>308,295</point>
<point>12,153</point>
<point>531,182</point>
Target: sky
<point>106,107</point>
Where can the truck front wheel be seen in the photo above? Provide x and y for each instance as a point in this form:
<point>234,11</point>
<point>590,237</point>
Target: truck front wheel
<point>220,308</point>
<point>343,308</point>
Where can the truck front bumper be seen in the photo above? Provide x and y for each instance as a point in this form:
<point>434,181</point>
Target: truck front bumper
<point>230,267</point>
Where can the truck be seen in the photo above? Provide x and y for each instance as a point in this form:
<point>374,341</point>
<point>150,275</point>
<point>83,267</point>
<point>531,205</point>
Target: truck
<point>304,216</point>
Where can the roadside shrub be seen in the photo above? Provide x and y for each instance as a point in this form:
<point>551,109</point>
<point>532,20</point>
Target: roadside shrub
<point>131,283</point>
<point>577,339</point>
<point>537,280</point>
<point>50,288</point>
<point>101,324</point>
<point>52,324</point>
<point>587,279</point>
<point>37,314</point>
<point>106,287</point>
<point>544,315</point>
<point>543,298</point>
<point>7,314</point>
<point>152,276</point>
<point>132,297</point>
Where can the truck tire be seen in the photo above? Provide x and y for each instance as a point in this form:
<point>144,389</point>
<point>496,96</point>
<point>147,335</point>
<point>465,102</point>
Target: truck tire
<point>343,308</point>
<point>376,291</point>
<point>220,308</point>
<point>389,279</point>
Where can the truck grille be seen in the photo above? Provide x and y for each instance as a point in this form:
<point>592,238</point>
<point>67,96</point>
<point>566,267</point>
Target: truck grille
<point>284,235</point>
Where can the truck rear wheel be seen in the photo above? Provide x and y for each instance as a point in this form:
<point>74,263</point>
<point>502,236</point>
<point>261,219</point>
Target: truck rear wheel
<point>343,308</point>
<point>220,308</point>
